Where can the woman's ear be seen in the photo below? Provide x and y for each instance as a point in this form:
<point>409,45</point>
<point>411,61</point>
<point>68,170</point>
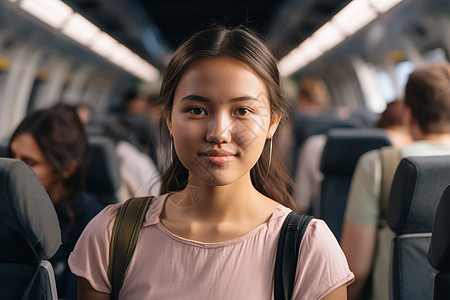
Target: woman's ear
<point>276,118</point>
<point>70,169</point>
<point>169,122</point>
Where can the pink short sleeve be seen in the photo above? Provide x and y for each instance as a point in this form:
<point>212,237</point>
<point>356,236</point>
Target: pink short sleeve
<point>90,257</point>
<point>322,266</point>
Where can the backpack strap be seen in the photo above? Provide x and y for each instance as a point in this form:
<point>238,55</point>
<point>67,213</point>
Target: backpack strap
<point>291,235</point>
<point>390,158</point>
<point>124,236</point>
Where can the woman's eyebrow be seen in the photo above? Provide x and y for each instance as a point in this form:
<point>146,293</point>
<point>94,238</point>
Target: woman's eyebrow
<point>204,99</point>
<point>244,98</point>
<point>196,98</point>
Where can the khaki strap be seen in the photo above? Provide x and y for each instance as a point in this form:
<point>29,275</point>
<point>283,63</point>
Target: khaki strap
<point>124,236</point>
<point>390,158</point>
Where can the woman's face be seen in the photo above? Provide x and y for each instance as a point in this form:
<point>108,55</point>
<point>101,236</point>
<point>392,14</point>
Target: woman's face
<point>220,120</point>
<point>25,148</point>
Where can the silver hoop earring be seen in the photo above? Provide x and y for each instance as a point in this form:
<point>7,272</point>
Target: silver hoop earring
<point>171,151</point>
<point>270,158</point>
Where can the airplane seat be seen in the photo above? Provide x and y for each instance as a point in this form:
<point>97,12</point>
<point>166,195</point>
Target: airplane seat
<point>29,234</point>
<point>103,175</point>
<point>439,251</point>
<point>340,155</point>
<point>416,189</point>
<point>4,148</point>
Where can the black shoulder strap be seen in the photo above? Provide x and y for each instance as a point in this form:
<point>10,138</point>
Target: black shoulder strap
<point>124,236</point>
<point>287,253</point>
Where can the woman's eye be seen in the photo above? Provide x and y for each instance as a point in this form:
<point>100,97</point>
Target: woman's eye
<point>242,111</point>
<point>197,111</point>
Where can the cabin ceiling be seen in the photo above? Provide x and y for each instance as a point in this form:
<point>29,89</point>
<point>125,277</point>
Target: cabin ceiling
<point>153,29</point>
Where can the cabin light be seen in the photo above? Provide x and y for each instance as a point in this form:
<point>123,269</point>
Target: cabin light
<point>355,16</point>
<point>135,64</point>
<point>104,45</point>
<point>120,55</point>
<point>311,49</point>
<point>60,16</point>
<point>80,29</point>
<point>52,12</point>
<point>147,72</point>
<point>292,62</point>
<point>12,1</point>
<point>383,6</point>
<point>328,36</point>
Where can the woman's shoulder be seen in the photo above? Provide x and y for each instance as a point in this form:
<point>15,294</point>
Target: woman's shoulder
<point>321,263</point>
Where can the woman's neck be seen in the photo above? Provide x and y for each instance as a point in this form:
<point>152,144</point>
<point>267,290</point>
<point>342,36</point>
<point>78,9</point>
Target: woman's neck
<point>217,202</point>
<point>216,213</point>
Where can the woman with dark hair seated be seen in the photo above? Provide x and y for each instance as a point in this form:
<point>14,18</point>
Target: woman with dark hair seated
<point>54,144</point>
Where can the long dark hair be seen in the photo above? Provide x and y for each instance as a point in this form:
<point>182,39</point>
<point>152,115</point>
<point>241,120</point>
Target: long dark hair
<point>60,135</point>
<point>242,44</point>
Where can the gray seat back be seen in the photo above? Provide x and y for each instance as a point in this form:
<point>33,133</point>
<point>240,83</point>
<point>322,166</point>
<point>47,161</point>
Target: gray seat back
<point>416,189</point>
<point>439,251</point>
<point>29,234</point>
<point>340,155</point>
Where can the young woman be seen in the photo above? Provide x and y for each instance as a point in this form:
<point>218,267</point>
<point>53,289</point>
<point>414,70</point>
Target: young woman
<point>213,233</point>
<point>54,144</point>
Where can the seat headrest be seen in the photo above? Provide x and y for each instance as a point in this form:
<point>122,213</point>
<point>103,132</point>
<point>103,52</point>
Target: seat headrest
<point>344,147</point>
<point>103,175</point>
<point>27,216</point>
<point>416,189</point>
<point>439,252</point>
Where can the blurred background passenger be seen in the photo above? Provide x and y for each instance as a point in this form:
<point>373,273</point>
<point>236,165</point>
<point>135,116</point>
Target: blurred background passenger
<point>54,144</point>
<point>394,121</point>
<point>132,124</point>
<point>315,114</point>
<point>308,178</point>
<point>85,113</point>
<point>366,238</point>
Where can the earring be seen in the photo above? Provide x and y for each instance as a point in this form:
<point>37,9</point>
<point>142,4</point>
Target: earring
<point>270,157</point>
<point>171,151</point>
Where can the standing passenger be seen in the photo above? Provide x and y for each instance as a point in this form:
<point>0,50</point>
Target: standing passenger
<point>366,238</point>
<point>214,235</point>
<point>53,143</point>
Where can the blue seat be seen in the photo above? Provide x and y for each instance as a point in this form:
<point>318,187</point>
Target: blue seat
<point>416,189</point>
<point>340,155</point>
<point>29,234</point>
<point>439,251</point>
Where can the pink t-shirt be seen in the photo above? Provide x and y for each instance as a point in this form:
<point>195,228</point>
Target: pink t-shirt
<point>166,266</point>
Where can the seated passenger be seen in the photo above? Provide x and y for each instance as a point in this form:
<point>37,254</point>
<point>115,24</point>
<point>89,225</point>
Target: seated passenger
<point>315,115</point>
<point>53,143</point>
<point>309,176</point>
<point>366,238</point>
<point>215,235</point>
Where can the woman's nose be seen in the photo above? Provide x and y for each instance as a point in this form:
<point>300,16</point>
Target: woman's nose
<point>219,129</point>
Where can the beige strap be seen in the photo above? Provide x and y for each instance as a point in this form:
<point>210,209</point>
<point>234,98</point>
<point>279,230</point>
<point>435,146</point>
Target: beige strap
<point>390,158</point>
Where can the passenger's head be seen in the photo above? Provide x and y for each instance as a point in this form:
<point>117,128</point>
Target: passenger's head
<point>394,120</point>
<point>84,112</point>
<point>54,144</point>
<point>313,93</point>
<point>240,47</point>
<point>427,94</point>
<point>135,103</point>
<point>393,115</point>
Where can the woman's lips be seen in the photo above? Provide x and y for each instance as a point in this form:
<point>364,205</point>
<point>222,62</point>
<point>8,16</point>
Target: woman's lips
<point>218,157</point>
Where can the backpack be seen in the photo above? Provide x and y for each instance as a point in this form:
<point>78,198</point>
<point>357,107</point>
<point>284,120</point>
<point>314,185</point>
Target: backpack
<point>131,216</point>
